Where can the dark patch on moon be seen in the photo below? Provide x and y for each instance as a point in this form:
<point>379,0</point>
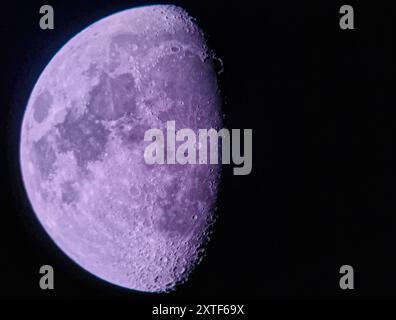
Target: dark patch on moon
<point>42,105</point>
<point>123,94</point>
<point>131,131</point>
<point>85,136</point>
<point>44,156</point>
<point>176,74</point>
<point>113,98</point>
<point>69,193</point>
<point>92,71</point>
<point>174,220</point>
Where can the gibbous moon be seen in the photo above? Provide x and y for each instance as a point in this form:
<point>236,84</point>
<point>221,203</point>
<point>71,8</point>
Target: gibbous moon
<point>139,226</point>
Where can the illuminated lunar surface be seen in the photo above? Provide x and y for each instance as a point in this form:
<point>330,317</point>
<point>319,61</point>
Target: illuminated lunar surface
<point>139,226</point>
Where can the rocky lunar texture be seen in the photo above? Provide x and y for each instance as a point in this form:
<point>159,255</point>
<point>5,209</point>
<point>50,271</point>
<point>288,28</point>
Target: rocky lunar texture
<point>135,225</point>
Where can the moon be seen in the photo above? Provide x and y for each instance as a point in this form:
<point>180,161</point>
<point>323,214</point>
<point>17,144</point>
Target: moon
<point>138,226</point>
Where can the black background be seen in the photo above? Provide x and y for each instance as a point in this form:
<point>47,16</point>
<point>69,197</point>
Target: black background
<point>322,192</point>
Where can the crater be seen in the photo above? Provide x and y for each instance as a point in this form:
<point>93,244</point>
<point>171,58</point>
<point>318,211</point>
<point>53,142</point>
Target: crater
<point>126,42</point>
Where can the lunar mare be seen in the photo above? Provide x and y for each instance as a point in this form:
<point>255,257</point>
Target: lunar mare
<point>139,226</point>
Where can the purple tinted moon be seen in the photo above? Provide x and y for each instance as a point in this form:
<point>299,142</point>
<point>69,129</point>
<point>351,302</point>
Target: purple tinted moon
<point>135,225</point>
